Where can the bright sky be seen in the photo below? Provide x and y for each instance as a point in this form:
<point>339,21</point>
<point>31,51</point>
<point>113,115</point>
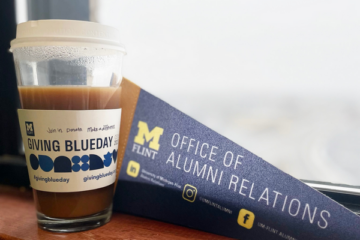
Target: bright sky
<point>237,46</point>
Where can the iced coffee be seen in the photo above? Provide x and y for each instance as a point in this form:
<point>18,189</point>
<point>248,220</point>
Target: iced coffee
<point>69,75</point>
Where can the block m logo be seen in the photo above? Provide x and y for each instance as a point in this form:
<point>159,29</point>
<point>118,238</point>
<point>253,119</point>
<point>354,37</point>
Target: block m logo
<point>29,126</point>
<point>144,135</point>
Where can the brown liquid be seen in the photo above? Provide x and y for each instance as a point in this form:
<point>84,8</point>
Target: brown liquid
<point>74,204</point>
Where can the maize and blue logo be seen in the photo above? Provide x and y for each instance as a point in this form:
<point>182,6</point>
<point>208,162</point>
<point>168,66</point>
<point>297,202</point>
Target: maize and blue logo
<point>63,164</point>
<point>29,126</point>
<point>151,137</point>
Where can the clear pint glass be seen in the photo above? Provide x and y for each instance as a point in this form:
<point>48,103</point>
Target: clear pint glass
<point>69,75</point>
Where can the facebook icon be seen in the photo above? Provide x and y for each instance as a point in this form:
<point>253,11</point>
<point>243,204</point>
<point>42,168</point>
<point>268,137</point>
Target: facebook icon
<point>246,218</point>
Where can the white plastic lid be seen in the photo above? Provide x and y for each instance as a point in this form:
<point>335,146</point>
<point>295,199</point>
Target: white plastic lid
<point>66,33</point>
